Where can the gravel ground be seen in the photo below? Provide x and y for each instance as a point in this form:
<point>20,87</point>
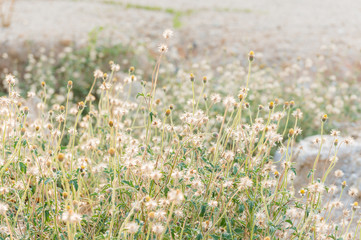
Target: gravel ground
<point>279,29</point>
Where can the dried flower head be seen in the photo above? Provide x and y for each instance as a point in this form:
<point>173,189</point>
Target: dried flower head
<point>132,227</point>
<point>3,208</point>
<point>98,74</point>
<point>163,48</point>
<point>175,196</point>
<point>10,79</point>
<point>168,34</point>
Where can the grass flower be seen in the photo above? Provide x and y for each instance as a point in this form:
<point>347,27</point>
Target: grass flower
<point>3,208</point>
<point>180,158</point>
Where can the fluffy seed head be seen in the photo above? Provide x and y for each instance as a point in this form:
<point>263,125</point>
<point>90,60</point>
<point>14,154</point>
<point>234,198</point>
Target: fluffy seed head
<point>168,34</point>
<point>98,74</point>
<point>163,48</point>
<point>3,208</point>
<point>175,196</point>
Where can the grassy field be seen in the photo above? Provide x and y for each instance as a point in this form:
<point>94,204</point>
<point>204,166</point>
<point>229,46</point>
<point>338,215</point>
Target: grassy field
<point>125,151</point>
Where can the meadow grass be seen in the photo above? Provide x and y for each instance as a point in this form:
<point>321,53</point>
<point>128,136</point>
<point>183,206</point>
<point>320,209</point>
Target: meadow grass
<point>183,162</point>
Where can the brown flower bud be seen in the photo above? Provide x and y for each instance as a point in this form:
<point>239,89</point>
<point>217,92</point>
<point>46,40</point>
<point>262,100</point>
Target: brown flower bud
<point>111,152</point>
<point>26,110</point>
<point>286,105</point>
<point>70,84</point>
<point>151,216</point>
<point>292,104</point>
<point>205,79</point>
<point>131,69</point>
<point>251,56</point>
<point>271,105</point>
<point>81,105</point>
<point>324,118</point>
<point>61,157</point>
<point>291,132</point>
<point>191,77</point>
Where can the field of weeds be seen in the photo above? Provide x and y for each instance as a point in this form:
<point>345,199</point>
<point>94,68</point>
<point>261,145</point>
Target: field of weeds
<point>173,156</point>
<point>132,141</point>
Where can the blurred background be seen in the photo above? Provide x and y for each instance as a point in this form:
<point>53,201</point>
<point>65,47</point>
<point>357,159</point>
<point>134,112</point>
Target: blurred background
<point>43,40</point>
<point>278,28</point>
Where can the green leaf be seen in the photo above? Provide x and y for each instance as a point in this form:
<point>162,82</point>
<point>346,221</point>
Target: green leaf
<point>139,95</point>
<point>238,230</point>
<point>128,183</point>
<point>47,181</point>
<point>74,182</point>
<point>203,210</point>
<point>235,170</point>
<point>22,167</point>
<point>310,173</point>
<point>241,208</point>
<point>289,221</point>
<point>47,215</point>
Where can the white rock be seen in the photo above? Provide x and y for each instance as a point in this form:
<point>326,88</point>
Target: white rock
<point>305,153</point>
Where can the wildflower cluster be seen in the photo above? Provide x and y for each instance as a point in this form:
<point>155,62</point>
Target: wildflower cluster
<point>119,165</point>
